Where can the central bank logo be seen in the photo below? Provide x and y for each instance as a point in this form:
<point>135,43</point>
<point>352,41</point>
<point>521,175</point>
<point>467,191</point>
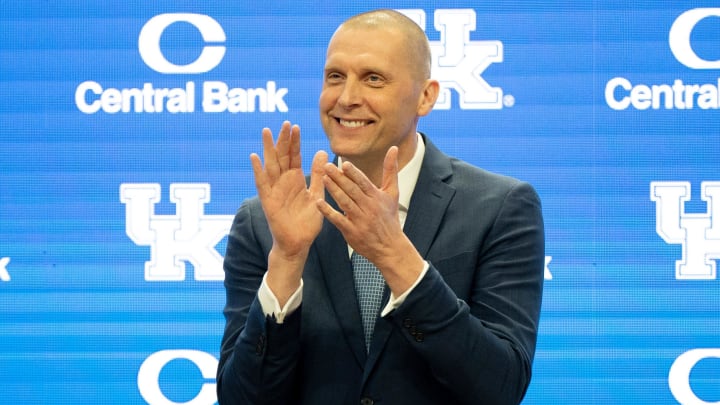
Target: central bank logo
<point>148,377</point>
<point>622,94</point>
<point>458,62</point>
<point>189,236</point>
<point>152,55</point>
<point>681,374</point>
<point>679,38</point>
<point>697,233</point>
<point>216,96</point>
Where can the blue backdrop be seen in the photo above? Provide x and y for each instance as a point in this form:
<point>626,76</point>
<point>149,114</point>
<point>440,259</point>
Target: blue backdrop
<point>125,131</point>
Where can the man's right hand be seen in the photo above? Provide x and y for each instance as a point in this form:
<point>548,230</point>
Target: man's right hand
<point>289,205</point>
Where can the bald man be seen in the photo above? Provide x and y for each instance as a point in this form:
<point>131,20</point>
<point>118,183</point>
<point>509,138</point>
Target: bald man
<point>455,253</point>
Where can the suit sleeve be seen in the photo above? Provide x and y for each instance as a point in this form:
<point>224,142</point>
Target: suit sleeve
<point>257,355</point>
<point>482,349</point>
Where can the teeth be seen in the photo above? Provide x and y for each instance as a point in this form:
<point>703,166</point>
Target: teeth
<point>352,124</point>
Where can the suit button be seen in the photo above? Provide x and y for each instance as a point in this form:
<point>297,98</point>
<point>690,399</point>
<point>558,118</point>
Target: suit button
<point>366,401</point>
<point>419,337</point>
<point>260,346</point>
<point>407,322</point>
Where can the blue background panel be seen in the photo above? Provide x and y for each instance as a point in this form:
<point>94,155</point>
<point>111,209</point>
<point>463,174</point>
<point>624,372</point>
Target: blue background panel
<point>82,322</point>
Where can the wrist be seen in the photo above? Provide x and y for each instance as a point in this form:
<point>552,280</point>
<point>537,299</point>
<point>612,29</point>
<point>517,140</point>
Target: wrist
<point>284,273</point>
<point>401,268</point>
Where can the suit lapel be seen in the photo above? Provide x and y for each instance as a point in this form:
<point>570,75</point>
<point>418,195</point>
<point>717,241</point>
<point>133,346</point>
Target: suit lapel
<point>430,199</point>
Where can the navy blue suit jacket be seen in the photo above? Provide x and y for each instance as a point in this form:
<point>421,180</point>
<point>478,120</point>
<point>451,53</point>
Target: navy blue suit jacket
<point>465,335</point>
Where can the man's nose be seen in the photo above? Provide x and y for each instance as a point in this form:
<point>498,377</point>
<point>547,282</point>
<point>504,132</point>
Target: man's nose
<point>351,94</point>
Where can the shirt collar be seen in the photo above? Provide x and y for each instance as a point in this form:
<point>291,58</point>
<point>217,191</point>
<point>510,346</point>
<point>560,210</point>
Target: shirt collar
<point>408,175</point>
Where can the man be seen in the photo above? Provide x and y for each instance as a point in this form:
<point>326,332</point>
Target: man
<point>460,250</point>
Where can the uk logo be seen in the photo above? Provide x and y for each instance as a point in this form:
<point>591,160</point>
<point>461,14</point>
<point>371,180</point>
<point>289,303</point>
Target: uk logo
<point>458,63</point>
<point>189,236</point>
<point>697,233</point>
<point>4,275</point>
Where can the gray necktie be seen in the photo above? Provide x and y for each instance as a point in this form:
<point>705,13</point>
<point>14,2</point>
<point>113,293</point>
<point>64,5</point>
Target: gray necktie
<point>369,284</point>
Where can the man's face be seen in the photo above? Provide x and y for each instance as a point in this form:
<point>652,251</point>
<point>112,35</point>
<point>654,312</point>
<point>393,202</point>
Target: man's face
<point>371,94</point>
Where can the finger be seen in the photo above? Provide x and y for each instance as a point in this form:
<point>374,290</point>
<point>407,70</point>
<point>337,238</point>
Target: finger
<point>343,200</point>
<point>270,154</point>
<point>390,173</point>
<point>316,174</point>
<point>332,215</point>
<point>283,146</point>
<point>261,179</point>
<point>358,178</point>
<point>347,184</point>
<point>295,159</point>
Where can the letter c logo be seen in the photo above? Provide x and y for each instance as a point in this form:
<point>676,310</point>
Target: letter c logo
<point>679,38</point>
<point>149,373</point>
<point>679,377</point>
<point>151,54</point>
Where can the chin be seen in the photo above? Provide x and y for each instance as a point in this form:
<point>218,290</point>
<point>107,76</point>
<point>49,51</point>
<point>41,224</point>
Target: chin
<point>344,150</point>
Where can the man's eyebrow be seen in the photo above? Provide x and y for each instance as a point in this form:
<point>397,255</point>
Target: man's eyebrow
<point>329,65</point>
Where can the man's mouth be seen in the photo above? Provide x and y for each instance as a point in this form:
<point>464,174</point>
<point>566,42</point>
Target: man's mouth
<point>352,123</point>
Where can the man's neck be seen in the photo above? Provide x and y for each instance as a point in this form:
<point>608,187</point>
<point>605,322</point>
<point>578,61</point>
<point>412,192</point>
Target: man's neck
<point>373,169</point>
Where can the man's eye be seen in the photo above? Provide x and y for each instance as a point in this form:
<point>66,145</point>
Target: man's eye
<point>375,80</point>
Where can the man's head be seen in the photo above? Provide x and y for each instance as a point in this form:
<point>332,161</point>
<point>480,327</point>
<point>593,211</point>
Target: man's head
<point>415,41</point>
<point>376,86</point>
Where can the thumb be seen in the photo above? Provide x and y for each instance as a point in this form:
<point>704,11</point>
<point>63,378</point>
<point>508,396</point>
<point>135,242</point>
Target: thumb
<point>390,172</point>
<point>317,189</point>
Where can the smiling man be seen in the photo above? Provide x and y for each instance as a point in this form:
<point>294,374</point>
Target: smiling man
<point>396,275</point>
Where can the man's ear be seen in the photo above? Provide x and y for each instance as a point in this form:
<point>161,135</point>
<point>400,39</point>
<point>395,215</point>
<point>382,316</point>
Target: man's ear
<point>429,95</point>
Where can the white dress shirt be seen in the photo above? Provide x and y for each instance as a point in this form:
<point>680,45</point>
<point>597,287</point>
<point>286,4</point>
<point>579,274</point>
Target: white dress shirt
<point>407,178</point>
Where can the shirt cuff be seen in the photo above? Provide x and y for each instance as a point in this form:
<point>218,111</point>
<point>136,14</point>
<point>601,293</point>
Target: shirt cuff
<point>271,306</point>
<point>395,302</point>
